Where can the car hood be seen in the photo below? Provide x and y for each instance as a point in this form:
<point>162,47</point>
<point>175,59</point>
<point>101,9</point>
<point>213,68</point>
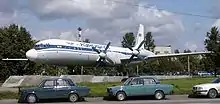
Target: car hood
<point>28,89</point>
<point>115,87</point>
<point>205,85</point>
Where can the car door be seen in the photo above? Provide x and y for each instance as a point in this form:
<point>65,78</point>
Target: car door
<point>149,86</point>
<point>63,88</point>
<point>46,90</point>
<point>135,88</point>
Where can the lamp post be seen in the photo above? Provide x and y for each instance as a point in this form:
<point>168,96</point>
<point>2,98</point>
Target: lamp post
<point>79,34</point>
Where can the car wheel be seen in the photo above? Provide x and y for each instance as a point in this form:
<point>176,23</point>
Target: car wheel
<point>73,97</point>
<point>159,95</point>
<point>31,98</point>
<point>212,93</point>
<point>120,96</point>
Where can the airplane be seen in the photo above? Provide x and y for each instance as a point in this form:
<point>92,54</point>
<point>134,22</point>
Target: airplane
<point>65,53</point>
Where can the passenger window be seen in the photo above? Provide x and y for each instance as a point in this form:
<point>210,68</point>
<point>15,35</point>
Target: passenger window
<point>59,46</point>
<point>137,82</point>
<point>134,82</point>
<point>149,81</point>
<point>48,84</point>
<point>62,83</point>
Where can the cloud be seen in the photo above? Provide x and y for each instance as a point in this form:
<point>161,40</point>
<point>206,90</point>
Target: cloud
<point>216,23</point>
<point>102,19</point>
<point>8,13</point>
<point>108,20</point>
<point>197,27</point>
<point>191,46</point>
<point>56,34</point>
<point>8,6</point>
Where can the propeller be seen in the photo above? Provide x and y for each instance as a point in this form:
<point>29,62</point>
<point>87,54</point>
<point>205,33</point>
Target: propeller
<point>102,55</point>
<point>135,52</point>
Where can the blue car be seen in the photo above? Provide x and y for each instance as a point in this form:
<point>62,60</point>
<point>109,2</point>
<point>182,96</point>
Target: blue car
<point>140,86</point>
<point>53,89</point>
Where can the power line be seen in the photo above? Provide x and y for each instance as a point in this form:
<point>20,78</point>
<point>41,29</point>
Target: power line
<point>175,12</point>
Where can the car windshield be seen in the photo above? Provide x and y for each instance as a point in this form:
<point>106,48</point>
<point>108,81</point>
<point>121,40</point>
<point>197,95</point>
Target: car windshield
<point>217,80</point>
<point>127,81</point>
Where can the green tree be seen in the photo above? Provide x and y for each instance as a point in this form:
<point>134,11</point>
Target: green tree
<point>15,41</point>
<point>149,42</point>
<point>194,61</point>
<point>128,39</point>
<point>212,43</point>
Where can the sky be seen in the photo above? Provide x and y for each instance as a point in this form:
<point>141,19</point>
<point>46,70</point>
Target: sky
<point>108,20</point>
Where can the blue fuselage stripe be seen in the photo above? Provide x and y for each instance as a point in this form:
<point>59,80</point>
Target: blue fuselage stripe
<point>72,49</point>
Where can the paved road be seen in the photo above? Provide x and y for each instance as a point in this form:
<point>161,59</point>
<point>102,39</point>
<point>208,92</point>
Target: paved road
<point>173,99</point>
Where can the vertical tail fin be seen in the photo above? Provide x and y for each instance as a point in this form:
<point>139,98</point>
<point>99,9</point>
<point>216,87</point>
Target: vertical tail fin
<point>140,37</point>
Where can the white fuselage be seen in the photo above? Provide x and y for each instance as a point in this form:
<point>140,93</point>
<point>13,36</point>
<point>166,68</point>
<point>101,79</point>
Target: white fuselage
<point>63,52</point>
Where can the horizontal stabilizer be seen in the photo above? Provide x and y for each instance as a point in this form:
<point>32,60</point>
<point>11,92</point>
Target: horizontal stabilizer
<point>177,54</point>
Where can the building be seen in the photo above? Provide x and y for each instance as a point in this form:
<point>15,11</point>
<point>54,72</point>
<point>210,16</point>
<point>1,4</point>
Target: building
<point>163,49</point>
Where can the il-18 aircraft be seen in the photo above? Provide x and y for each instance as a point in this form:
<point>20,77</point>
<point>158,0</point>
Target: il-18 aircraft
<point>65,53</point>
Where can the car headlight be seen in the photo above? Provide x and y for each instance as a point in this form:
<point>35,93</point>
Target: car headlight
<point>199,88</point>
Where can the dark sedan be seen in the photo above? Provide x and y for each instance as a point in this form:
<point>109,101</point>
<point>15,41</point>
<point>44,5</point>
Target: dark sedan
<point>53,89</point>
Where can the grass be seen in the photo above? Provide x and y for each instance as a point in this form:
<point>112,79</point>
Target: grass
<point>8,95</point>
<point>98,89</point>
<point>182,86</point>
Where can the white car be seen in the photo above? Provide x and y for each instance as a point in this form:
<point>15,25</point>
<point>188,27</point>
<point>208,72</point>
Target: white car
<point>212,90</point>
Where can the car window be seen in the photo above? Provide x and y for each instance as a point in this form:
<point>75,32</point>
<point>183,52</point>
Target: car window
<point>128,81</point>
<point>217,80</point>
<point>137,81</point>
<point>149,81</point>
<point>62,83</point>
<point>48,84</point>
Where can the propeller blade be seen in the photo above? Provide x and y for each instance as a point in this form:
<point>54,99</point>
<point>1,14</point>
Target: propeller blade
<point>131,58</point>
<point>110,60</point>
<point>126,43</point>
<point>141,44</point>
<point>107,47</point>
<point>129,47</point>
<point>98,63</point>
<point>125,40</point>
<point>96,50</point>
<point>99,59</point>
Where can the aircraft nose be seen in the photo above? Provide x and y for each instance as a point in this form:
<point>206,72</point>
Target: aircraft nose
<point>31,54</point>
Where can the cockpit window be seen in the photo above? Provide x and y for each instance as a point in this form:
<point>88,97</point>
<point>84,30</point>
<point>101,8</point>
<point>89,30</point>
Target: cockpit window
<point>40,46</point>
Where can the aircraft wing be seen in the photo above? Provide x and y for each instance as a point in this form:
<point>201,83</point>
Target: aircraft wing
<point>7,59</point>
<point>177,54</point>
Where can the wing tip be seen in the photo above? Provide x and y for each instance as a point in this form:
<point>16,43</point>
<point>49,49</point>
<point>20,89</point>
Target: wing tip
<point>7,59</point>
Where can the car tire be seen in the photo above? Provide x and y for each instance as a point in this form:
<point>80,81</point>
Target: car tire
<point>121,96</point>
<point>73,97</point>
<point>212,93</point>
<point>159,95</point>
<point>31,98</point>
